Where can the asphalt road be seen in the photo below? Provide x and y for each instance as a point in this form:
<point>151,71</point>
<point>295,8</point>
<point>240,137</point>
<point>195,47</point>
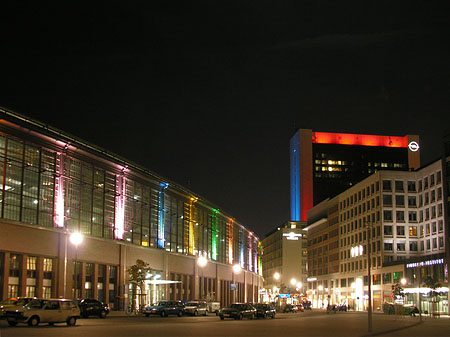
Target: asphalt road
<point>311,323</point>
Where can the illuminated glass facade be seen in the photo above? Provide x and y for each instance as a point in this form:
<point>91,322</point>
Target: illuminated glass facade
<point>51,180</point>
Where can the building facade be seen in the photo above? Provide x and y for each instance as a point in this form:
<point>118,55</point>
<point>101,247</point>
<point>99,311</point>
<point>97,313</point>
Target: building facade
<point>392,224</point>
<point>284,260</point>
<point>53,184</point>
<point>324,164</point>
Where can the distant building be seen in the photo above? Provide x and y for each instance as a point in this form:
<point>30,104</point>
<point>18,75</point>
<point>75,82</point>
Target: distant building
<point>53,184</point>
<point>284,260</point>
<point>324,164</point>
<point>398,218</point>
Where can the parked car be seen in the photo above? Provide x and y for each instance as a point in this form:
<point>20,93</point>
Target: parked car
<point>196,308</point>
<point>92,307</point>
<point>238,311</point>
<point>264,310</point>
<point>45,311</point>
<point>290,308</point>
<point>13,303</point>
<point>165,308</point>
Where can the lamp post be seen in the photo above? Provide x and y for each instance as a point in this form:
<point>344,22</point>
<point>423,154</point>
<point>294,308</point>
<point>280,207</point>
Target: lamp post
<point>277,277</point>
<point>76,239</point>
<point>236,270</point>
<point>320,288</point>
<point>369,285</point>
<point>201,262</point>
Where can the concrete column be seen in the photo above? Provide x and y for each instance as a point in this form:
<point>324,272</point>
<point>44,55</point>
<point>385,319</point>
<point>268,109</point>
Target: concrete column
<point>122,282</point>
<point>196,282</point>
<point>245,286</point>
<point>83,280</point>
<point>22,275</point>
<point>95,281</point>
<point>39,276</point>
<point>106,284</point>
<point>62,279</point>
<point>6,258</point>
<point>217,294</point>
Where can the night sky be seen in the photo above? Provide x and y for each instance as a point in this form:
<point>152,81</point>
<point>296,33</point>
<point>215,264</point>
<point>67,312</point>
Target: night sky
<point>208,93</point>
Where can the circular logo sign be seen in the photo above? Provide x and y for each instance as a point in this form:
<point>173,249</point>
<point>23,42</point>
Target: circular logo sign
<point>413,146</point>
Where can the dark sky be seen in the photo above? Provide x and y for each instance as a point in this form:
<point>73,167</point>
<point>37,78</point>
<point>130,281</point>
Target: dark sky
<point>208,93</point>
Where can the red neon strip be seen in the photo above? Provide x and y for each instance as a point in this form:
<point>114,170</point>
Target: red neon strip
<point>355,139</point>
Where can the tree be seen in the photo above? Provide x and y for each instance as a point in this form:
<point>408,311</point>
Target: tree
<point>138,273</point>
<point>397,290</point>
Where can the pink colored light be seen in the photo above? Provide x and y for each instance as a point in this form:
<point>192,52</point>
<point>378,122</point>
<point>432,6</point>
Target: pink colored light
<point>59,203</point>
<point>119,229</point>
<point>59,193</point>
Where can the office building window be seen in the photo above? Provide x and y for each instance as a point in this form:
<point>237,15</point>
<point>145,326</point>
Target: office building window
<point>412,230</point>
<point>413,246</point>
<point>400,230</point>
<point>412,201</point>
<point>376,279</point>
<point>387,278</point>
<point>387,230</point>
<point>387,185</point>
<point>412,216</point>
<point>31,266</point>
<point>400,216</point>
<point>400,200</point>
<point>388,246</point>
<point>399,186</point>
<point>387,200</point>
<point>401,247</point>
<point>411,186</point>
<point>387,215</point>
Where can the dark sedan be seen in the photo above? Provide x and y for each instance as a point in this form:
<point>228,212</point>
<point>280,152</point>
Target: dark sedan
<point>92,307</point>
<point>238,311</point>
<point>264,310</point>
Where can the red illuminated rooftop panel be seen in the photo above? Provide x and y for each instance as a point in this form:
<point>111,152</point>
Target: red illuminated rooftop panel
<point>355,139</point>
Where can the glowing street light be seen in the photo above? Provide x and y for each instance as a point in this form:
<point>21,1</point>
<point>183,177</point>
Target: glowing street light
<point>299,285</point>
<point>276,276</point>
<point>293,281</point>
<point>202,261</point>
<point>237,268</point>
<point>76,239</point>
<point>403,281</point>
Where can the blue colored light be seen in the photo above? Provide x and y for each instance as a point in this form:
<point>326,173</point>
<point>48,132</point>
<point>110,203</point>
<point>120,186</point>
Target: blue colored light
<point>295,176</point>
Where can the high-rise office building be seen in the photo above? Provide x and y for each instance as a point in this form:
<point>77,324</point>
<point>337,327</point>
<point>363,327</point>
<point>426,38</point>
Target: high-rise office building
<point>324,164</point>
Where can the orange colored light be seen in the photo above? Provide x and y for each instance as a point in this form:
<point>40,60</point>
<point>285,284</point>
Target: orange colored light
<point>357,139</point>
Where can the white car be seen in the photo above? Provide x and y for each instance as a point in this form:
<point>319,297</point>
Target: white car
<point>45,311</point>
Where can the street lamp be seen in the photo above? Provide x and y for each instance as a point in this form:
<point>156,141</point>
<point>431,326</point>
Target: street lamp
<point>236,270</point>
<point>403,281</point>
<point>369,279</point>
<point>76,239</point>
<point>201,262</point>
<point>320,297</point>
